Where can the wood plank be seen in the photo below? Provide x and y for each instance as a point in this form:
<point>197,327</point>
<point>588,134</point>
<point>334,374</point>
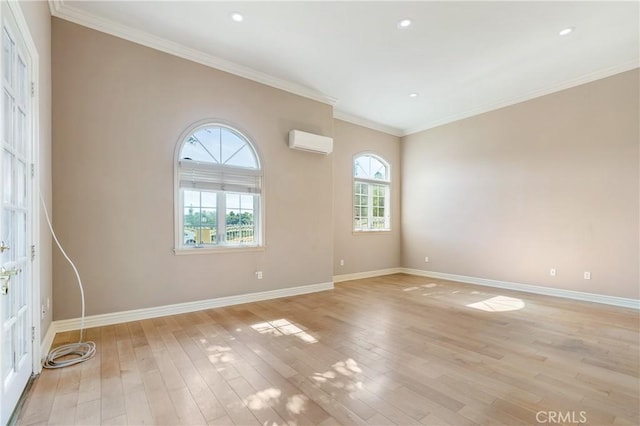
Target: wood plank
<point>259,402</point>
<point>88,412</point>
<point>63,411</point>
<point>138,409</point>
<point>233,405</point>
<point>186,408</point>
<point>397,349</point>
<point>40,399</point>
<point>160,404</point>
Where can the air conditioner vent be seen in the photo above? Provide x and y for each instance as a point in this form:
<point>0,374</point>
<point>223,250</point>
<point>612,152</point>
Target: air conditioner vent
<point>310,142</point>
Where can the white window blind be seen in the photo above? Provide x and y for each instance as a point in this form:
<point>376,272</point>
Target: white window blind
<point>208,176</point>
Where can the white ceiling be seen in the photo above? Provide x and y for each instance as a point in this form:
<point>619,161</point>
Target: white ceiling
<point>462,58</point>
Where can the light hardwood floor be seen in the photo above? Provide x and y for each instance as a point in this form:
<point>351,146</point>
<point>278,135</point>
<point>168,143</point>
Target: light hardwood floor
<point>397,349</point>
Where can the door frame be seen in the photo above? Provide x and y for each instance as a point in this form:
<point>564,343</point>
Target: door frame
<point>25,34</point>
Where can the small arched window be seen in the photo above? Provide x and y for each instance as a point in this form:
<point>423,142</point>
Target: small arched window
<point>219,189</point>
<point>371,193</point>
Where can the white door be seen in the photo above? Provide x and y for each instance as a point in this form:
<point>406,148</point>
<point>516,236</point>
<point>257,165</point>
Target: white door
<point>15,216</point>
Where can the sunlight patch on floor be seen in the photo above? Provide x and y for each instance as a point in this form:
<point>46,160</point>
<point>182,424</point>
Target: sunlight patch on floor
<point>344,375</point>
<point>295,403</point>
<point>270,397</point>
<point>421,286</point>
<point>219,354</point>
<point>283,327</point>
<point>218,348</point>
<point>347,368</point>
<point>323,377</point>
<point>498,304</point>
<point>263,399</point>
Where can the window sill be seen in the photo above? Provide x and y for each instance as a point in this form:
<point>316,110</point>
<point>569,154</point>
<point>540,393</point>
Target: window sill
<point>212,250</point>
<point>371,231</point>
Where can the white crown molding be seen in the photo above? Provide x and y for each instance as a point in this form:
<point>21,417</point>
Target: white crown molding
<point>354,119</point>
<point>181,308</point>
<point>62,10</point>
<point>588,78</point>
<point>367,274</point>
<point>54,6</point>
<point>526,288</point>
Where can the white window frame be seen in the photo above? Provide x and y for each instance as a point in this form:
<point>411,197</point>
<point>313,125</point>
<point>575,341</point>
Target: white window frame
<point>386,183</point>
<point>180,248</point>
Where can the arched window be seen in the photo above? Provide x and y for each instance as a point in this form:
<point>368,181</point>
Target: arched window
<point>371,193</point>
<point>219,189</point>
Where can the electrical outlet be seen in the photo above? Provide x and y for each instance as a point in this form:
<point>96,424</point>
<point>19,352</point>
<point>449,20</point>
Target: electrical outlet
<point>259,275</point>
<point>587,275</point>
<point>426,259</point>
<point>552,272</point>
<point>341,262</point>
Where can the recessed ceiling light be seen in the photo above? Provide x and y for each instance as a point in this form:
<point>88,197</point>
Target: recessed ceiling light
<point>566,31</point>
<point>404,23</point>
<point>413,95</point>
<point>237,17</point>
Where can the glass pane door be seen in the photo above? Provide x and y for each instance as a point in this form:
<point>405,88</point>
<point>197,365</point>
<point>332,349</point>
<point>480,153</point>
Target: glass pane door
<point>15,216</point>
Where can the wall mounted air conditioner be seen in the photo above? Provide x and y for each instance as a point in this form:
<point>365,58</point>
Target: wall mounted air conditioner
<point>310,142</point>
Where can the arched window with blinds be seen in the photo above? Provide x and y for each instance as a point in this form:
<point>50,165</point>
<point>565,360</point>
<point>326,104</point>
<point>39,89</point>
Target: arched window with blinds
<point>219,189</point>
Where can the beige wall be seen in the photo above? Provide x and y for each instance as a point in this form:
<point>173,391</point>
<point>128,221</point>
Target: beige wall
<point>548,183</point>
<point>119,109</point>
<point>507,195</point>
<point>365,251</point>
<point>39,21</point>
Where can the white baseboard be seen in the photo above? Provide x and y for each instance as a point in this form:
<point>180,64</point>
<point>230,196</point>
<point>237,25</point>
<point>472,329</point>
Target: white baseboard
<point>548,291</point>
<point>45,345</point>
<point>181,308</point>
<point>367,274</point>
